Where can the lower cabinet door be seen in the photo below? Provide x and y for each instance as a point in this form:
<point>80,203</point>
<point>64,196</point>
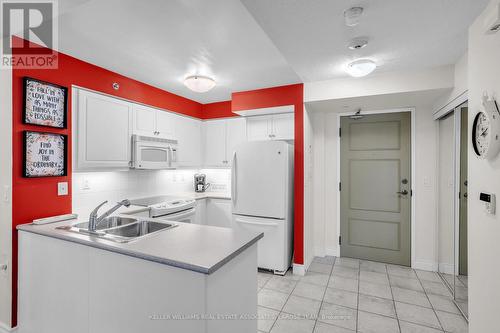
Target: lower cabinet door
<point>272,248</point>
<point>219,212</point>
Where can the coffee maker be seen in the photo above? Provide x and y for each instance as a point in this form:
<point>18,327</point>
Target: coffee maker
<point>200,184</point>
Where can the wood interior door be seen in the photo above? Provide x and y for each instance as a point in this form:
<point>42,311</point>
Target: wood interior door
<point>375,194</point>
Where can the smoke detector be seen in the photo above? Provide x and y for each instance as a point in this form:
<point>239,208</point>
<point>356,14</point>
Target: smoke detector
<point>358,43</point>
<point>352,16</point>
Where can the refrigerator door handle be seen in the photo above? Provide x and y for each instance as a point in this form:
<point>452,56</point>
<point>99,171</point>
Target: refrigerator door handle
<point>233,180</point>
<point>267,224</point>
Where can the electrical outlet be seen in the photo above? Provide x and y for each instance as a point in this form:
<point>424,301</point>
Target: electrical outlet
<point>62,188</point>
<point>85,184</point>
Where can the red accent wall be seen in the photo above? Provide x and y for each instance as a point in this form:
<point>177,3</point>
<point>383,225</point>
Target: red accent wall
<point>280,96</point>
<point>36,198</point>
<point>217,110</point>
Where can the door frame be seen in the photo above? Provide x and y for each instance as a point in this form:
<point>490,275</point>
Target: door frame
<point>412,163</point>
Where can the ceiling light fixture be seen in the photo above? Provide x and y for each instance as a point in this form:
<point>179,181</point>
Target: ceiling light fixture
<point>199,83</point>
<point>361,67</point>
<point>352,16</point>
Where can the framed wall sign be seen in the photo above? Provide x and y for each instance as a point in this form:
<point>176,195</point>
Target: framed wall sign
<point>44,103</point>
<point>45,154</point>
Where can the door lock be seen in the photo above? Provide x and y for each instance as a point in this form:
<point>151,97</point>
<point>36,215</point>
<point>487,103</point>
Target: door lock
<point>403,192</point>
<point>404,181</point>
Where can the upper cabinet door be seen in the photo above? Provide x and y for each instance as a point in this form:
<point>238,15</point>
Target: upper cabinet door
<point>144,120</point>
<point>215,143</point>
<point>103,131</point>
<point>283,126</point>
<point>259,128</point>
<point>189,137</point>
<point>166,124</point>
<point>236,134</point>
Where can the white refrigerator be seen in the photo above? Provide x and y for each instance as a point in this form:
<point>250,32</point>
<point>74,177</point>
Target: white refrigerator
<point>262,199</point>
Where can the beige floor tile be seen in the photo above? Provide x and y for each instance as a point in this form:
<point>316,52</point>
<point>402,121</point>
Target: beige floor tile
<point>324,260</point>
<point>347,272</point>
<point>271,299</point>
<point>373,323</point>
<point>374,289</point>
<point>428,276</point>
<point>417,314</point>
<point>347,262</point>
<point>341,297</point>
<point>436,288</point>
<point>327,328</point>
<point>281,284</point>
<point>302,307</point>
<point>405,283</point>
<point>407,327</point>
<point>452,323</point>
<point>338,316</point>
<point>266,318</point>
<point>316,278</point>
<point>377,305</point>
<point>373,266</point>
<point>286,324</point>
<point>343,283</point>
<point>374,277</point>
<point>308,290</point>
<point>443,303</point>
<point>402,271</point>
<point>320,268</point>
<point>262,279</point>
<point>411,297</point>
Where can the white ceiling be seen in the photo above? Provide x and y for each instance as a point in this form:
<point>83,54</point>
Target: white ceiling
<point>162,42</point>
<point>258,43</point>
<point>404,34</point>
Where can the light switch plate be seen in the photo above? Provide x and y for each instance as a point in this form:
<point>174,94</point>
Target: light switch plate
<point>62,188</point>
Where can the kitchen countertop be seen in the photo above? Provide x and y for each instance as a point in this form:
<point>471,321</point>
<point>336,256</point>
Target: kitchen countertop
<point>199,248</point>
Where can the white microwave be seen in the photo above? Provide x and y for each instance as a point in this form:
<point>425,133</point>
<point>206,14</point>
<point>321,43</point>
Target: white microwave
<point>153,153</point>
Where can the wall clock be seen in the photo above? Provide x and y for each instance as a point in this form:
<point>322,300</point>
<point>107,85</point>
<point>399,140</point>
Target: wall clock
<point>486,130</point>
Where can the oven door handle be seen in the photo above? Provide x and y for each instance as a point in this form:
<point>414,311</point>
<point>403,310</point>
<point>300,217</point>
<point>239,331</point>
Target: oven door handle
<point>180,215</point>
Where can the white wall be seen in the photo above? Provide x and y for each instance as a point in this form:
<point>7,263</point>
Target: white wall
<point>6,195</point>
<point>119,185</point>
<point>325,127</point>
<point>308,190</point>
<point>484,229</point>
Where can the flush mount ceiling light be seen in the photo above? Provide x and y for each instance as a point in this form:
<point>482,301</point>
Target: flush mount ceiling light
<point>361,67</point>
<point>352,16</point>
<point>199,83</point>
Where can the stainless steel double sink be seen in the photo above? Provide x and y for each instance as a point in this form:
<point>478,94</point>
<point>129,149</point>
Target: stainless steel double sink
<point>121,229</point>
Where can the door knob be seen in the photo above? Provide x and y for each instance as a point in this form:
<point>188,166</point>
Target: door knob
<point>403,192</point>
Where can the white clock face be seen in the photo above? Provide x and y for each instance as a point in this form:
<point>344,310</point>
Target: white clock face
<point>481,134</point>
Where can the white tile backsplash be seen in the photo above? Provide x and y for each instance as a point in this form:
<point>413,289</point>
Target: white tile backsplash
<point>92,188</point>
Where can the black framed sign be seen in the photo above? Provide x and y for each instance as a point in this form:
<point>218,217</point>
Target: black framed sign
<point>45,154</point>
<point>44,104</point>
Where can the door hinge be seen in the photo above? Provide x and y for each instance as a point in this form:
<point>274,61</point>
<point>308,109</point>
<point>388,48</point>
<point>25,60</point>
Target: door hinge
<point>411,193</point>
<point>340,132</point>
<point>340,186</point>
<point>340,240</point>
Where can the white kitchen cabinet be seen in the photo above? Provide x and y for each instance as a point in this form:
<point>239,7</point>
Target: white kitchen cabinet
<point>188,134</point>
<point>149,121</point>
<point>271,127</point>
<point>236,133</point>
<point>221,137</point>
<point>103,128</point>
<point>219,212</point>
<point>201,212</point>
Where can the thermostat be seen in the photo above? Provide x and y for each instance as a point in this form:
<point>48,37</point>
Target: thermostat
<point>489,201</point>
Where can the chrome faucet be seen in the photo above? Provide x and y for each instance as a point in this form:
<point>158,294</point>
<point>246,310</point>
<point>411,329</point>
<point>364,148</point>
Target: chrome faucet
<point>94,221</point>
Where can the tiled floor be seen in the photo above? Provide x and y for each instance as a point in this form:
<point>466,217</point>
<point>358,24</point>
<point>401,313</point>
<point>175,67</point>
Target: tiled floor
<point>347,295</point>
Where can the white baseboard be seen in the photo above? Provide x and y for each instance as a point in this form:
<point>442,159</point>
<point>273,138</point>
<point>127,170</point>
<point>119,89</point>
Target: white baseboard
<point>298,269</point>
<point>6,329</point>
<point>425,266</point>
